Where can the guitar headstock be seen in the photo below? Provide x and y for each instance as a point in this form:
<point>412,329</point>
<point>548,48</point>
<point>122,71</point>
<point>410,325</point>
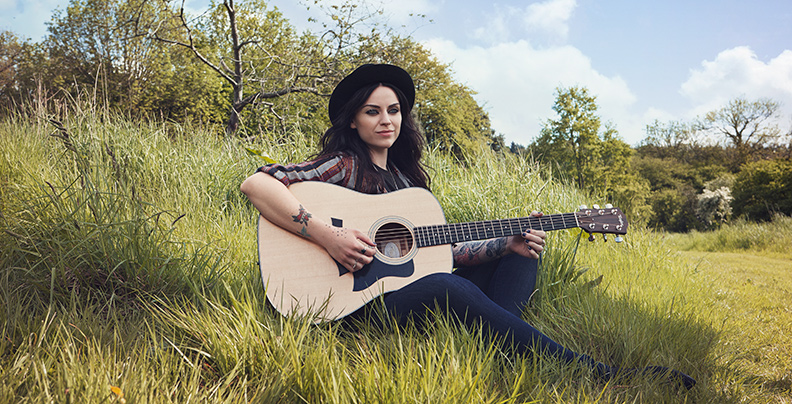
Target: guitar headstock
<point>607,220</point>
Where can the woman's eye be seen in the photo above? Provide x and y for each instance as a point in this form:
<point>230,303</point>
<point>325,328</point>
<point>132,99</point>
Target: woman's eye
<point>372,112</point>
<point>393,111</point>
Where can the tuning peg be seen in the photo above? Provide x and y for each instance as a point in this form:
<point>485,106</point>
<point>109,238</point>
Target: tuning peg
<point>595,206</point>
<point>618,239</point>
<point>581,207</point>
<point>608,206</point>
<point>591,237</point>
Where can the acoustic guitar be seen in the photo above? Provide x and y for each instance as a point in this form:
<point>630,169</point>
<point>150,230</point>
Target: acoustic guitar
<point>412,237</point>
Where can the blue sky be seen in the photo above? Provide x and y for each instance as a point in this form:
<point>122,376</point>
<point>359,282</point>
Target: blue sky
<point>665,60</point>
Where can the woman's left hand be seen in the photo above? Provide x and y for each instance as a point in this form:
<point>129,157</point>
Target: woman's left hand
<point>530,244</point>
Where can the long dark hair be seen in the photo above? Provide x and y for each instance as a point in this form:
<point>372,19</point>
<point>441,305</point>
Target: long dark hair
<point>405,154</point>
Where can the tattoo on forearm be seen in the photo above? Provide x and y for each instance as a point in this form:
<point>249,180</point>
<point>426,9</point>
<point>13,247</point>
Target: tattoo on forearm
<point>302,217</point>
<point>474,252</point>
<point>469,251</point>
<point>496,247</point>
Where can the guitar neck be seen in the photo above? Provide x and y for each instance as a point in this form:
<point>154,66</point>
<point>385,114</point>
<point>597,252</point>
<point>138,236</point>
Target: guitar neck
<point>427,236</point>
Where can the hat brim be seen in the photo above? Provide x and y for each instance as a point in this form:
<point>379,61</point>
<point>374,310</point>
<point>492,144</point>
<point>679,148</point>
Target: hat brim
<point>366,75</point>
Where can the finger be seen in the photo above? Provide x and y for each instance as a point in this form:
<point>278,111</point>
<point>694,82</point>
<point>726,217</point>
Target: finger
<point>536,235</point>
<point>355,266</point>
<point>367,250</point>
<point>533,249</point>
<point>536,213</point>
<point>364,238</point>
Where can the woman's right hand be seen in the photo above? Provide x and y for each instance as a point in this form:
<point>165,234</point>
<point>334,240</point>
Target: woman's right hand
<point>349,247</point>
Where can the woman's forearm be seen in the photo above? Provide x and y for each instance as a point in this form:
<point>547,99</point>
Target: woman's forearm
<point>478,252</point>
<point>274,201</point>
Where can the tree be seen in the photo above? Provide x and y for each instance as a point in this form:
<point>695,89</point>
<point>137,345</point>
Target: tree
<point>747,125</point>
<point>96,47</point>
<point>574,143</point>
<point>11,52</point>
<point>672,139</point>
<point>597,161</point>
<point>256,52</point>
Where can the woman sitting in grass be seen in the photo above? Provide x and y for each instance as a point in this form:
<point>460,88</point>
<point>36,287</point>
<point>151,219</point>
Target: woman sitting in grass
<point>374,146</point>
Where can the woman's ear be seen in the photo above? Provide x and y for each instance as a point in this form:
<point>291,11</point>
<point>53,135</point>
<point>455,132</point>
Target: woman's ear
<point>352,125</point>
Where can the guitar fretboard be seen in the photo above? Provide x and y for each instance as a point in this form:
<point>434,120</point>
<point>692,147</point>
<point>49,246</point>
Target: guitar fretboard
<point>427,236</point>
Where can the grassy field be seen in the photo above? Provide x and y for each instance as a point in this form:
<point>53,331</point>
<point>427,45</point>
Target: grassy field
<point>750,265</point>
<point>129,275</point>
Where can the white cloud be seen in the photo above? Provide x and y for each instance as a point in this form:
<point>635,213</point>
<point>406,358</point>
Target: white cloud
<point>545,22</point>
<point>516,83</point>
<point>550,17</point>
<point>6,5</point>
<point>738,72</point>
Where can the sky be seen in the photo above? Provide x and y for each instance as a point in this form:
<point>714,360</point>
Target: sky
<point>643,60</point>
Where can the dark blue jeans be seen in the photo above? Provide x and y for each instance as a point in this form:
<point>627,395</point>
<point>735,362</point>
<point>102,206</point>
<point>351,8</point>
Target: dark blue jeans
<point>491,295</point>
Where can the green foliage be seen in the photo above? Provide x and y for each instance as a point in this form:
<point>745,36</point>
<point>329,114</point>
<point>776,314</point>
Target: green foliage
<point>764,188</point>
<point>597,162</point>
<point>11,51</point>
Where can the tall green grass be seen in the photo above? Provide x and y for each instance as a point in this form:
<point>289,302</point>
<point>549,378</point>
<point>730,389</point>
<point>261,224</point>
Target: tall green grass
<point>774,237</point>
<point>129,267</point>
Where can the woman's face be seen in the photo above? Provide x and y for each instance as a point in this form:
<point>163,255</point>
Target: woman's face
<point>378,122</point>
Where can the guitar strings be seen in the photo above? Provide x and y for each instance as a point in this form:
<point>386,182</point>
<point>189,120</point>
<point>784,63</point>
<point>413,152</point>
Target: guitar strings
<point>484,226</point>
<point>534,223</point>
<point>488,227</point>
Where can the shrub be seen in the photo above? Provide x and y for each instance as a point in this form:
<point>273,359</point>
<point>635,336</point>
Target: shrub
<point>763,188</point>
<point>713,208</point>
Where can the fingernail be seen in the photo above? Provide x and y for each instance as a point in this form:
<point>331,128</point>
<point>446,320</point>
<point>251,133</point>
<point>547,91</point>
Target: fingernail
<point>528,231</point>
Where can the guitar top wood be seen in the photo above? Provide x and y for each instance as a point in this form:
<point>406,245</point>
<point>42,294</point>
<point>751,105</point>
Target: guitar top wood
<point>301,278</point>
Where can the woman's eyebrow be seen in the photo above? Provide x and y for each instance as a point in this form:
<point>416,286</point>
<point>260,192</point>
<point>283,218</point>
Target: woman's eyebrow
<point>395,104</point>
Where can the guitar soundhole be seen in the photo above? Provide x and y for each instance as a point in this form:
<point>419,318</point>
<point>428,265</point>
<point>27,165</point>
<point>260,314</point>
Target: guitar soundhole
<point>393,240</point>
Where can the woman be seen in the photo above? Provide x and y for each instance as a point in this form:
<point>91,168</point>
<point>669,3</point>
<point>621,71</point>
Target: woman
<point>374,146</point>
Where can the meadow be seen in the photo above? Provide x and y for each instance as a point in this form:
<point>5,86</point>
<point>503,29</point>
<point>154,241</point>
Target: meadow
<point>129,274</point>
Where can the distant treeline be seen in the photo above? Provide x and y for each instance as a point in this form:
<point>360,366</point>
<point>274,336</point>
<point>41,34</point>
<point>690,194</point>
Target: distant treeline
<point>242,68</point>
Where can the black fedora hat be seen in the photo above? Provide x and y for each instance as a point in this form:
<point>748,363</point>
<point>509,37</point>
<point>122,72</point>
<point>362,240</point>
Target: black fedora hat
<point>366,75</point>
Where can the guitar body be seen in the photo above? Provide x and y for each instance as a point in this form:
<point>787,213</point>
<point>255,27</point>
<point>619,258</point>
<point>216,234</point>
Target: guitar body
<point>301,278</point>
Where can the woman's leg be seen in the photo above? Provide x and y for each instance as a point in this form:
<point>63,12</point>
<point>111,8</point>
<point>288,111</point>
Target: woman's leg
<point>467,301</point>
<point>509,281</point>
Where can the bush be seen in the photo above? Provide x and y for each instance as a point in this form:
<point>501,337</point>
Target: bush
<point>763,188</point>
<point>713,208</point>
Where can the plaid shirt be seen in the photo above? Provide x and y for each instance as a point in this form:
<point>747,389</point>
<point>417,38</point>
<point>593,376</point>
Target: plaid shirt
<point>340,170</point>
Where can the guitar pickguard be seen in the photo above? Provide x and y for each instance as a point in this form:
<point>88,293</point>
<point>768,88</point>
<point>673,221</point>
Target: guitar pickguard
<point>376,270</point>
